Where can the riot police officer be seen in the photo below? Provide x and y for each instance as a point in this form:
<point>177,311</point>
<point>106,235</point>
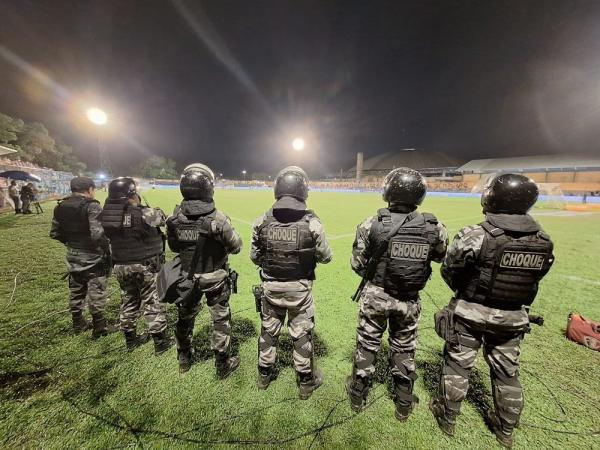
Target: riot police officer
<point>137,245</point>
<point>203,237</point>
<point>392,252</point>
<point>494,269</point>
<point>75,224</point>
<point>287,243</point>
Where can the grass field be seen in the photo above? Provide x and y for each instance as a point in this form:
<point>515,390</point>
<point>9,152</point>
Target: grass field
<point>64,391</point>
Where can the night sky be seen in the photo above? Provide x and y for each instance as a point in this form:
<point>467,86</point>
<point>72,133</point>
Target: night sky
<point>230,83</point>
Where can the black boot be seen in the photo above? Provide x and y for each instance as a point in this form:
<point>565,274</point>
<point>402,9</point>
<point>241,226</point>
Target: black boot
<point>503,434</point>
<point>403,397</point>
<point>134,340</point>
<point>357,389</point>
<point>225,364</point>
<point>100,328</point>
<point>162,343</point>
<point>80,324</point>
<point>308,383</point>
<point>265,376</point>
<point>445,419</point>
<point>185,359</point>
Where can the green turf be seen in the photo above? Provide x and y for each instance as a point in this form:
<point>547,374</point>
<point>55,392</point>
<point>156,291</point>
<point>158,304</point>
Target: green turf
<point>65,391</point>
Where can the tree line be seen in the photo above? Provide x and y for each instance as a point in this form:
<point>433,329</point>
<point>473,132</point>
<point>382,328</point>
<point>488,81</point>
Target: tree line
<point>34,143</point>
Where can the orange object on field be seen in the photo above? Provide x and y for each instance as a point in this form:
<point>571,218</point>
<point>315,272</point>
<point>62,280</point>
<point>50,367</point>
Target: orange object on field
<point>583,331</point>
<point>583,207</point>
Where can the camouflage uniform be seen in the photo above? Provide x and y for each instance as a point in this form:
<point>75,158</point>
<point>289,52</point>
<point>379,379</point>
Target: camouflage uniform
<point>138,286</point>
<point>378,309</point>
<point>498,331</point>
<point>214,285</point>
<point>88,268</point>
<point>291,298</point>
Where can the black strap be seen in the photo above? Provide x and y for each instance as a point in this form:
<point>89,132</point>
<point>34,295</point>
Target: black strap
<point>374,260</point>
<point>491,229</point>
<point>202,236</point>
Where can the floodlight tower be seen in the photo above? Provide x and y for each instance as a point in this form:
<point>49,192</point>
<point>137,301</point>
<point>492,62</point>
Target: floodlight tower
<point>99,118</point>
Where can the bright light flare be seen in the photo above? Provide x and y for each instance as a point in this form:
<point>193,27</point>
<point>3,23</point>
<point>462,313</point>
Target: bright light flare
<point>298,144</point>
<point>96,116</point>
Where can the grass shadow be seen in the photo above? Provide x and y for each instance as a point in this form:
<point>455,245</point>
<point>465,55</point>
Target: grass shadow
<point>241,330</point>
<point>21,385</point>
<point>285,350</point>
<point>382,373</point>
<point>479,395</point>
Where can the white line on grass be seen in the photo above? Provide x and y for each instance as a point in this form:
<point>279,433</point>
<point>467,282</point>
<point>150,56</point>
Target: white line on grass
<point>237,219</point>
<point>333,237</point>
<point>581,280</point>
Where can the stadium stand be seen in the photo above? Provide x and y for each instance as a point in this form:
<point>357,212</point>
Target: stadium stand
<point>575,174</point>
<point>429,163</point>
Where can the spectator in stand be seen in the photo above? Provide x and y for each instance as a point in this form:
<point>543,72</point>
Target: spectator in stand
<point>13,193</point>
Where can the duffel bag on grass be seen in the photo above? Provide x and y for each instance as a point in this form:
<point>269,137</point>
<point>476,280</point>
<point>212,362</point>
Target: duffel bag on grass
<point>583,331</point>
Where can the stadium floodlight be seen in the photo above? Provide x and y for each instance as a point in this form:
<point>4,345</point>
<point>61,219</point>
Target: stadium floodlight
<point>298,144</point>
<point>96,116</point>
<point>102,176</point>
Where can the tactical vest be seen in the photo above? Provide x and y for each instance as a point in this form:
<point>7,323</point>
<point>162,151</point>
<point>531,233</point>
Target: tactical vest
<point>406,265</point>
<point>189,231</point>
<point>288,249</point>
<point>509,268</point>
<point>132,241</point>
<point>72,216</point>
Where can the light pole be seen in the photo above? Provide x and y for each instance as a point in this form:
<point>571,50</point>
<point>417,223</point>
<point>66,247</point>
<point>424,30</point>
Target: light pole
<point>99,118</point>
<point>244,173</point>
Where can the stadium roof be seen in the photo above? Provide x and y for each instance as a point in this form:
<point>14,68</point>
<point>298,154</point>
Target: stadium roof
<point>6,150</point>
<point>413,158</point>
<point>532,163</point>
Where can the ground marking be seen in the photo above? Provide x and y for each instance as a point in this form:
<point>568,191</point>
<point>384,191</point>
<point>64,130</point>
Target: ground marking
<point>581,279</point>
<point>242,221</point>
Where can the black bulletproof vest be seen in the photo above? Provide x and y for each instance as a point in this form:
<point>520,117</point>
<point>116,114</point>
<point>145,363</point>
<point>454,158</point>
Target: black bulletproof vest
<point>72,216</point>
<point>132,241</point>
<point>406,265</point>
<point>188,231</point>
<point>509,268</point>
<point>288,248</point>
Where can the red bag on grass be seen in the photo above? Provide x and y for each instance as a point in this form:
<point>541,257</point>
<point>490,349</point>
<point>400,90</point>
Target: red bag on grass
<point>583,331</point>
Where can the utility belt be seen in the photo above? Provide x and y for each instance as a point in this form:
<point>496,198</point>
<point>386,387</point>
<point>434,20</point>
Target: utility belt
<point>447,326</point>
<point>402,296</point>
<point>495,304</point>
<point>153,262</point>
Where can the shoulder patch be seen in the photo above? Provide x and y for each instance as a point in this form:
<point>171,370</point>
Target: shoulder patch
<point>469,230</point>
<point>430,218</point>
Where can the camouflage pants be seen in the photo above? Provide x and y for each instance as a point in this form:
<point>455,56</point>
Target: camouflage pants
<point>138,296</point>
<point>294,299</point>
<point>377,311</point>
<point>217,300</point>
<point>87,287</point>
<point>501,352</point>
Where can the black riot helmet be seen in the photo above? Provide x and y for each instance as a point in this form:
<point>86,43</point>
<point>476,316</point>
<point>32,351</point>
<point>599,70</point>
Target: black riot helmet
<point>404,186</point>
<point>122,189</point>
<point>291,181</point>
<point>197,183</point>
<point>509,193</point>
